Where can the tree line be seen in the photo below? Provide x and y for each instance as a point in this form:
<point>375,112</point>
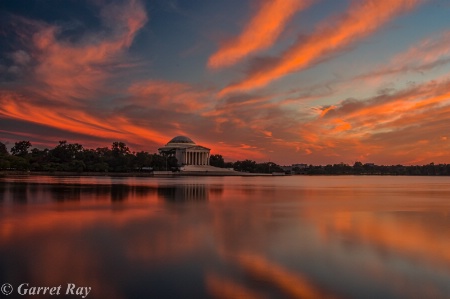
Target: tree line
<point>245,165</point>
<point>358,168</point>
<point>73,157</point>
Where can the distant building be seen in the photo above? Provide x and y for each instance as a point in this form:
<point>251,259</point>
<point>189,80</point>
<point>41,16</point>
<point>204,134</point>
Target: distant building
<point>294,168</point>
<point>186,151</point>
<point>300,165</point>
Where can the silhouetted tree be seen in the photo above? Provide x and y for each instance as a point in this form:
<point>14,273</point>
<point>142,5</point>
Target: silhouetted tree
<point>245,166</point>
<point>119,149</point>
<point>121,159</point>
<point>118,158</point>
<point>21,148</point>
<point>143,159</point>
<point>38,159</point>
<point>65,152</point>
<point>3,149</point>
<point>217,161</point>
<point>358,168</point>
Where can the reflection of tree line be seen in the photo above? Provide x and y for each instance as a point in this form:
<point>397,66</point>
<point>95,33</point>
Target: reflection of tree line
<point>23,192</point>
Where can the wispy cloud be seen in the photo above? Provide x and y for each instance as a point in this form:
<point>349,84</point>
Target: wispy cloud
<point>430,53</point>
<point>63,70</point>
<point>175,96</point>
<point>260,33</point>
<point>73,86</point>
<point>72,119</point>
<point>362,19</point>
<point>407,126</point>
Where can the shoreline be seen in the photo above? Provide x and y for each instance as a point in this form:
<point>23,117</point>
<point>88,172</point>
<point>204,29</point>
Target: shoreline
<point>130,174</point>
<point>181,174</point>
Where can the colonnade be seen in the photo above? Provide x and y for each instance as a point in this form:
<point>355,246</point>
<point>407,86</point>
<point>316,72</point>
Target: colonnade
<point>196,158</point>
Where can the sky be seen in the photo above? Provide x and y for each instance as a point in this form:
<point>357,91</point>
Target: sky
<point>287,81</point>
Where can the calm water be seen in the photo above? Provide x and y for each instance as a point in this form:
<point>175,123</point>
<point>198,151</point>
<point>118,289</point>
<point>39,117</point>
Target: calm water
<point>228,237</point>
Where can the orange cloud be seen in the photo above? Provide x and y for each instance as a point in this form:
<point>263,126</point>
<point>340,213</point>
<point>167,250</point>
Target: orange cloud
<point>401,122</point>
<point>66,70</point>
<point>427,51</point>
<point>75,120</point>
<point>324,111</point>
<point>172,95</point>
<point>362,19</point>
<point>260,33</point>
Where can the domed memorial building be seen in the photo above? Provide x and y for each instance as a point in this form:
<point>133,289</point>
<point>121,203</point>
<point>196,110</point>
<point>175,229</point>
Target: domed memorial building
<point>186,151</point>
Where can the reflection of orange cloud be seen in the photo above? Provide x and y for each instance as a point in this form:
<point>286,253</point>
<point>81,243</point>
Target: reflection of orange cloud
<point>293,284</point>
<point>44,221</point>
<point>60,239</point>
<point>260,33</point>
<point>362,19</point>
<point>394,233</point>
<point>220,287</point>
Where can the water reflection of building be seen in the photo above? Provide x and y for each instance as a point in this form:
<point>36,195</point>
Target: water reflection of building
<point>184,193</point>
